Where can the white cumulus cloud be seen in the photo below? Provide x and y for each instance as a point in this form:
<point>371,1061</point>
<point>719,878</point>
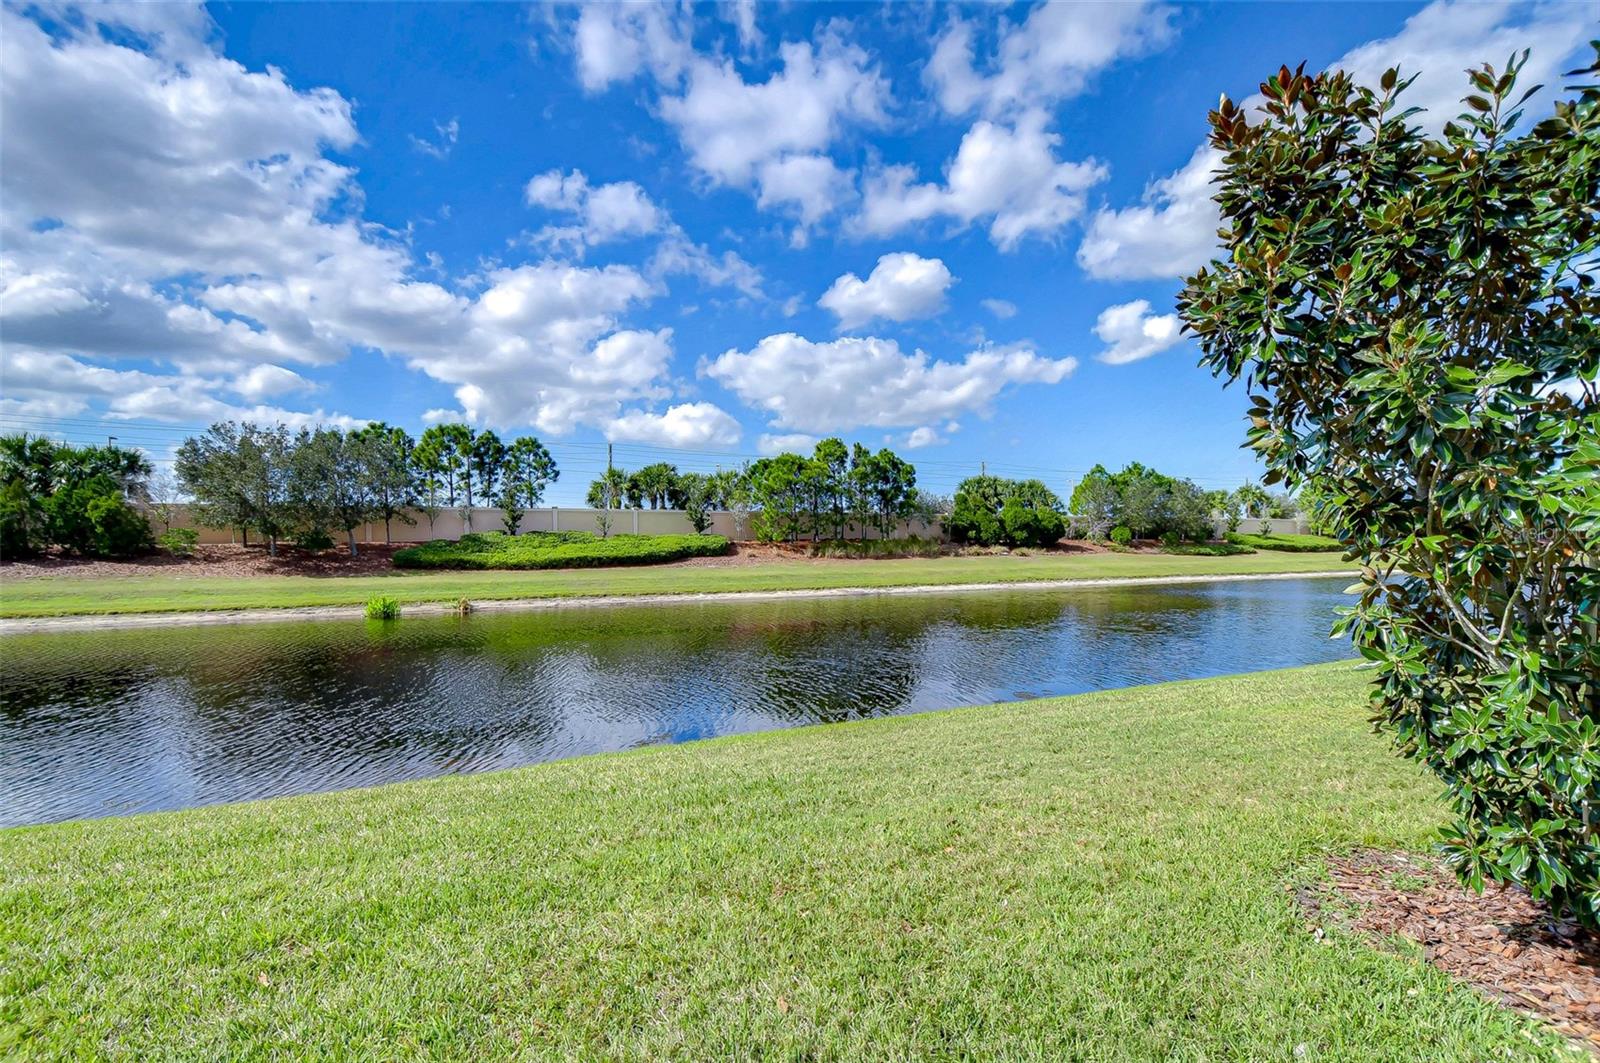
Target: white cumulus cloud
<point>769,137</point>
<point>603,213</point>
<point>687,424</point>
<point>1047,58</point>
<point>1172,231</point>
<point>853,382</point>
<point>787,443</point>
<point>1131,332</point>
<point>236,252</point>
<point>1005,174</point>
<point>902,286</point>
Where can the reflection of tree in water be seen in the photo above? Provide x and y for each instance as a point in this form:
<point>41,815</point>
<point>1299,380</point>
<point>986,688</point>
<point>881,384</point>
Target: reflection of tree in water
<point>203,713</point>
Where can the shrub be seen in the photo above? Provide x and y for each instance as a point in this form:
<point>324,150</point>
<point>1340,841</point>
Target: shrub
<point>180,542</point>
<point>1148,502</point>
<point>73,497</point>
<point>1122,535</point>
<point>20,522</point>
<point>383,608</point>
<point>93,518</point>
<point>1294,544</point>
<point>532,550</point>
<point>991,511</point>
<point>971,521</point>
<point>911,546</point>
<point>1418,322</point>
<point>1207,549</point>
<point>314,539</point>
<point>1027,525</point>
<point>1171,540</point>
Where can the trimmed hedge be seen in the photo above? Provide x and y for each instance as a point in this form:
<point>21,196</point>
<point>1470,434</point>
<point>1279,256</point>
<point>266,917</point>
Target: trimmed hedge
<point>557,550</point>
<point>1296,544</point>
<point>1207,549</point>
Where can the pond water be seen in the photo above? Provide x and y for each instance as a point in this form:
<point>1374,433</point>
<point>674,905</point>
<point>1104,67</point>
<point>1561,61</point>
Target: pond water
<point>97,723</point>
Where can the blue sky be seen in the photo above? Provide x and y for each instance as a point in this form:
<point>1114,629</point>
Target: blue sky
<point>702,233</point>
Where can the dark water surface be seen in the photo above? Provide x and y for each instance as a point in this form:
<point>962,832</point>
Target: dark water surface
<point>99,723</point>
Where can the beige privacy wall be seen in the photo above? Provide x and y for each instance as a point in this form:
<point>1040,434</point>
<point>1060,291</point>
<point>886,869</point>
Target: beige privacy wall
<point>449,525</point>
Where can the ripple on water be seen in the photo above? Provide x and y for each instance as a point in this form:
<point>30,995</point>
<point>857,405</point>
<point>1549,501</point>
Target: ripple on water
<point>135,720</point>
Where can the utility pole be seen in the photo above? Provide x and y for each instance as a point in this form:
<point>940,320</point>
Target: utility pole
<point>983,468</point>
<point>605,526</point>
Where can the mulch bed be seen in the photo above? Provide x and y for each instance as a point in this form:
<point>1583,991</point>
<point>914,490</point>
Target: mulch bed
<point>214,560</point>
<point>1501,941</point>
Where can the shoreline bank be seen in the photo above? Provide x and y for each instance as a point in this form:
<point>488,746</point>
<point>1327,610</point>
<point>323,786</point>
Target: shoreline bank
<point>443,607</point>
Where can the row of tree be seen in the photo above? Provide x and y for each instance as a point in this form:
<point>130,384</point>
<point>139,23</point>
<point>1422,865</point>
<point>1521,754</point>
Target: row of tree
<point>307,484</point>
<point>1152,505</point>
<point>76,498</point>
<point>835,490</point>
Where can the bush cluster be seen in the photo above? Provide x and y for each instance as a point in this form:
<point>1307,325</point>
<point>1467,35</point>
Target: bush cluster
<point>992,511</point>
<point>557,550</point>
<point>1207,549</point>
<point>75,498</point>
<point>911,546</point>
<point>179,542</point>
<point>1296,544</point>
<point>1145,502</point>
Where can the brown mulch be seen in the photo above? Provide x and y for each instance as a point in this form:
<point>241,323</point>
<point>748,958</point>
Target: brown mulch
<point>1502,941</point>
<point>209,561</point>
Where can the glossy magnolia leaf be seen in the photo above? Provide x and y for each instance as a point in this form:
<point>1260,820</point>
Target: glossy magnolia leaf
<point>1417,340</point>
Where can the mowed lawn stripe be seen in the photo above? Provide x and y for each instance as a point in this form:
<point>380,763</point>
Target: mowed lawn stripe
<point>165,591</point>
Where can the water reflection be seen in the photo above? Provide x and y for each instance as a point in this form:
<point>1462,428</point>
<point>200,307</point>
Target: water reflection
<point>101,723</point>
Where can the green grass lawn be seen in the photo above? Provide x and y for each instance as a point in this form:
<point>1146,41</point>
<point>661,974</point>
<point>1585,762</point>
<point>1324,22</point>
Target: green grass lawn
<point>1097,877</point>
<point>160,590</point>
<point>1287,541</point>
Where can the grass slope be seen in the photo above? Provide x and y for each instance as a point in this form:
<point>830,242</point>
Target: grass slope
<point>1100,876</point>
<point>1288,542</point>
<point>161,591</point>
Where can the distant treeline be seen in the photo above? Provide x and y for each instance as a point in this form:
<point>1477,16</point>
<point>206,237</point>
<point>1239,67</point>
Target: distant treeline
<point>312,484</point>
<point>308,484</point>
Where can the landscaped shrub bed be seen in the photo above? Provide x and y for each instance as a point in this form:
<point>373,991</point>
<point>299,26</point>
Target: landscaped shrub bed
<point>1206,549</point>
<point>912,546</point>
<point>1299,544</point>
<point>557,550</point>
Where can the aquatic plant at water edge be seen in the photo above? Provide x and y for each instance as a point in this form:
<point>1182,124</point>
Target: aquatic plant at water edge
<point>383,607</point>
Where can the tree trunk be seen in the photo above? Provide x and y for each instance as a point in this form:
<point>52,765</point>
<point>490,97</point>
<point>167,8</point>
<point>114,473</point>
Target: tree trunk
<point>272,546</point>
<point>350,537</point>
<point>386,539</point>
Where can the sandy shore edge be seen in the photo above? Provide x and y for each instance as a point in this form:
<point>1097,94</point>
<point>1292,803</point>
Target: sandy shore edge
<point>26,625</point>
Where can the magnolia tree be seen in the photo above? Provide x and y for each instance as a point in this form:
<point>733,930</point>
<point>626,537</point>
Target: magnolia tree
<point>1417,322</point>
